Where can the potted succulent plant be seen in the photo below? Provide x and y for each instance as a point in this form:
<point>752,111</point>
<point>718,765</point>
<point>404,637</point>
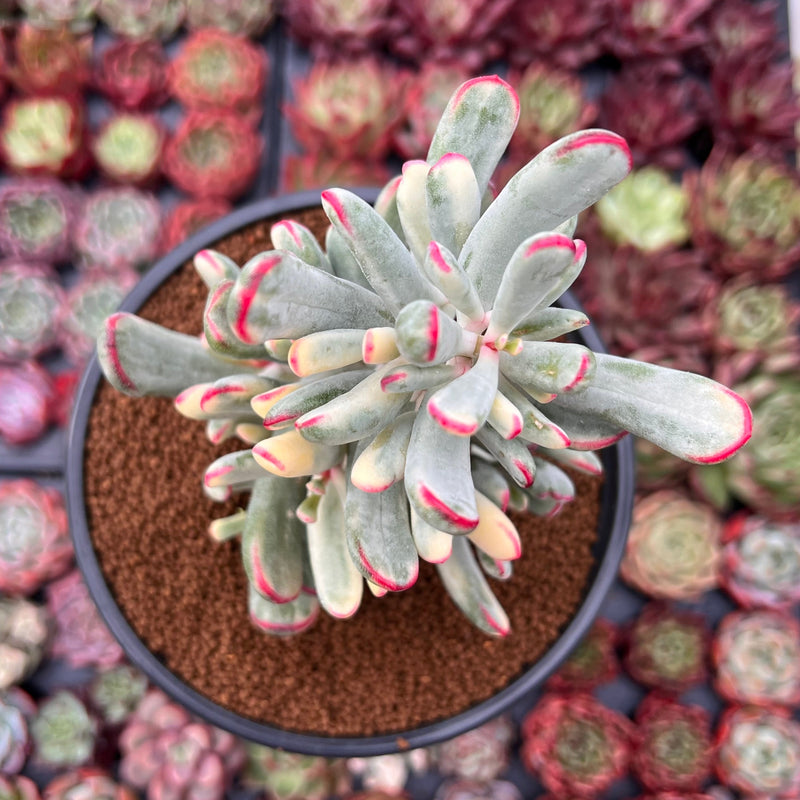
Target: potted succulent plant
<point>398,391</point>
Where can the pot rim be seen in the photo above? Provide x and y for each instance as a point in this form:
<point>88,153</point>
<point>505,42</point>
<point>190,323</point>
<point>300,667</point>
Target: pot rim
<point>615,514</point>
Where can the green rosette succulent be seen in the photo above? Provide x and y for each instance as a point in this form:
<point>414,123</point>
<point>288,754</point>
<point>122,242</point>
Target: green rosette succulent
<point>142,19</point>
<point>765,476</point>
<point>239,17</point>
<point>647,211</point>
<point>63,731</point>
<point>413,378</point>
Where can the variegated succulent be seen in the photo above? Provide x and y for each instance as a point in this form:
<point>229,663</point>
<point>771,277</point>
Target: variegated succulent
<point>413,381</point>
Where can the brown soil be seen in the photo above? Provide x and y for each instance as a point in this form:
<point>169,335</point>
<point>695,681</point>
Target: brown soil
<point>403,660</point>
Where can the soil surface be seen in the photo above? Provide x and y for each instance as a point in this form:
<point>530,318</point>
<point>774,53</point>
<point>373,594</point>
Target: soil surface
<point>404,660</point>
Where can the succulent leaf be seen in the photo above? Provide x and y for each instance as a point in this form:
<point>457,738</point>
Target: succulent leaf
<point>217,329</point>
<point>453,201</point>
<point>385,261</point>
<point>583,461</point>
<point>688,415</point>
<point>426,335</point>
<point>272,540</point>
<point>551,482</point>
<point>342,261</point>
<point>490,481</point>
<point>213,267</point>
<point>438,479</point>
<point>382,462</point>
<point>462,406</point>
<point>538,264</point>
<point>562,180</point>
<point>231,469</point>
<point>379,346</point>
<point>378,531</point>
<point>536,426</point>
<point>447,275</point>
<point>495,533</point>
<point>412,208</point>
<point>282,619</point>
<point>231,395</point>
<point>296,238</point>
<point>278,296</point>
<point>433,546</point>
<point>550,367</point>
<point>411,378</point>
<point>337,581</point>
<point>550,323</point>
<point>325,350</point>
<point>142,358</point>
<point>505,417</point>
<point>512,455</point>
<point>493,567</point>
<point>477,124</point>
<point>358,413</point>
<point>290,455</point>
<point>469,590</point>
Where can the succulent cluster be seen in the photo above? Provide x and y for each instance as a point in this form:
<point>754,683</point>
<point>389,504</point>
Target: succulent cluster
<point>413,377</point>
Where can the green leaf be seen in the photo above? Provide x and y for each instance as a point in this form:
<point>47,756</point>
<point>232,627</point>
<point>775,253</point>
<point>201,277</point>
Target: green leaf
<point>477,123</point>
<point>550,367</point>
<point>550,323</point>
<point>566,177</point>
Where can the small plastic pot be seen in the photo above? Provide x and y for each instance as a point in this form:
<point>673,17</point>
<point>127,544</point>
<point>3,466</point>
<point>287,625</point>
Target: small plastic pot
<point>613,523</point>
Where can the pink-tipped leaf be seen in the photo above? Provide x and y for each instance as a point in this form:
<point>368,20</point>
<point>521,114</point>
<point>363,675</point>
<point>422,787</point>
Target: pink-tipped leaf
<point>505,417</point>
<point>213,267</point>
<point>537,427</point>
<point>289,455</point>
<point>550,367</point>
<point>446,274</point>
<point>495,534</point>
<point>382,462</point>
<point>232,468</point>
<point>511,454</point>
<point>550,323</point>
<point>433,546</point>
<point>217,329</point>
<point>282,619</point>
<point>411,378</point>
<point>296,238</point>
<point>426,335</point>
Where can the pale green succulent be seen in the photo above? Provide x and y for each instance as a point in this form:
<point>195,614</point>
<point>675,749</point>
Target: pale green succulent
<point>414,393</point>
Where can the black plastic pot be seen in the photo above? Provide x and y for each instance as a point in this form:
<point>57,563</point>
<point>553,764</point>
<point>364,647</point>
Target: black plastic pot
<point>616,504</point>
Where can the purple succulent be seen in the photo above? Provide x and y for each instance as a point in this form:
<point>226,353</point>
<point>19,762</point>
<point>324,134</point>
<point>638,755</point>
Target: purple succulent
<point>31,303</point>
<point>332,29</point>
<point>738,29</point>
<point>460,789</point>
<point>167,753</point>
<point>757,658</point>
<point>593,662</point>
<point>656,28</point>
<point>656,109</point>
<point>567,35</point>
<point>479,755</point>
<point>667,648</point>
<point>575,744</point>
<point>81,637</point>
<point>25,402</point>
<point>133,75</point>
<point>673,750</point>
<point>16,709</point>
<point>761,562</point>
<point>64,733</point>
<point>758,752</point>
<point>754,107</point>
<point>34,538</point>
<point>36,215</point>
<point>24,631</point>
<point>117,230</point>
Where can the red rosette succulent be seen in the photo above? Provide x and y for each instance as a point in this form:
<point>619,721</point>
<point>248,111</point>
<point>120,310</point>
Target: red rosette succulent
<point>754,107</point>
<point>575,744</point>
<point>133,75</point>
<point>757,658</point>
<point>65,385</point>
<point>50,61</point>
<point>656,28</point>
<point>332,29</point>
<point>568,35</point>
<point>745,215</point>
<point>758,752</point>
<point>673,747</point>
<point>348,110</point>
<point>35,545</point>
<point>738,29</point>
<point>761,562</point>
<point>478,755</point>
<point>428,92</point>
<point>45,136</point>
<point>188,217</point>
<point>213,154</point>
<point>656,109</point>
<point>25,402</point>
<point>31,303</point>
<point>552,104</point>
<point>593,662</point>
<point>36,215</point>
<point>128,146</point>
<point>667,648</point>
<point>87,782</point>
<point>317,171</point>
<point>217,70</point>
<point>461,32</point>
